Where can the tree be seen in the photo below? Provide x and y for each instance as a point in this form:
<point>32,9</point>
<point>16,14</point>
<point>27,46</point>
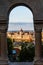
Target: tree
<point>10,46</point>
<point>27,52</point>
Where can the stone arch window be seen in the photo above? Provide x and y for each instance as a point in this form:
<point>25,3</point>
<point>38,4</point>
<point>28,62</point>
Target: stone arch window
<point>21,17</point>
<point>5,8</point>
<point>21,14</point>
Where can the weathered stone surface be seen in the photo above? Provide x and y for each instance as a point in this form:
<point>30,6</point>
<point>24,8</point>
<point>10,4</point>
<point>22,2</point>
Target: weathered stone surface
<point>35,5</point>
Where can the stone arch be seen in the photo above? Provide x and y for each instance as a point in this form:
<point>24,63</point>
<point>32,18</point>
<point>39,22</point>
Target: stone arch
<point>19,4</point>
<point>37,9</point>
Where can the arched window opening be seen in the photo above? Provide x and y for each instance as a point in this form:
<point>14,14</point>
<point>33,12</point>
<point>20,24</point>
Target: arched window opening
<point>21,33</point>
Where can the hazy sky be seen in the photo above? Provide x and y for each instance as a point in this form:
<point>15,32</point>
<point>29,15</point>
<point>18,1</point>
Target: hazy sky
<point>19,26</point>
<point>21,14</point>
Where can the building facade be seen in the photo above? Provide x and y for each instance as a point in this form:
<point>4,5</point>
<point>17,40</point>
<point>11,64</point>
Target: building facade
<point>21,36</point>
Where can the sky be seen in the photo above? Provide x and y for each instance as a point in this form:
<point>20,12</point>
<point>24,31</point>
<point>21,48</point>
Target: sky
<point>21,14</point>
<point>19,26</point>
<point>18,16</point>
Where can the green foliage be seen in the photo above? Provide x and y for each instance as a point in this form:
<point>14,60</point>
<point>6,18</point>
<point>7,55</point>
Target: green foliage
<point>10,46</point>
<point>27,52</point>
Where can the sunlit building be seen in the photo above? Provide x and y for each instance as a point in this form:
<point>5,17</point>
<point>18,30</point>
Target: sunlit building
<point>21,36</point>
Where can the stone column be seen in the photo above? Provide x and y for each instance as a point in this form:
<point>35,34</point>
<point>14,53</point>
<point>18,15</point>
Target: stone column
<point>4,51</point>
<point>3,44</point>
<point>38,60</point>
<point>38,43</point>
